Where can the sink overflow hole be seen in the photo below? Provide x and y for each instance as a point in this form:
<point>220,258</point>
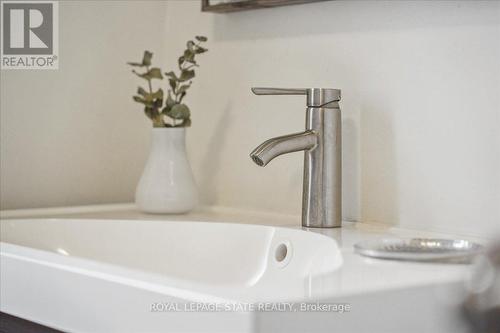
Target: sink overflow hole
<point>281,252</point>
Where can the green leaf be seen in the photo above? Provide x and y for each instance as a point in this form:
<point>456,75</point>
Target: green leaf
<point>173,84</point>
<point>186,122</point>
<point>201,38</point>
<point>148,98</point>
<point>189,56</point>
<point>186,75</point>
<point>157,98</point>
<point>149,112</point>
<point>153,73</point>
<point>182,96</point>
<point>158,121</point>
<point>179,111</point>
<point>146,59</point>
<point>190,45</point>
<point>183,88</point>
<point>158,94</point>
<point>200,50</point>
<point>170,101</point>
<point>153,114</point>
<point>141,100</point>
<point>158,103</point>
<point>141,91</point>
<point>180,60</point>
<point>171,75</point>
<point>135,64</point>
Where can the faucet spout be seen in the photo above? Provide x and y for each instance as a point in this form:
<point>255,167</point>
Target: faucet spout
<point>280,145</point>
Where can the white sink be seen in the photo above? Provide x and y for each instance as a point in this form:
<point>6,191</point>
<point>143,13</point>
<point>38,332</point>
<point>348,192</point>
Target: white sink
<point>89,273</point>
<point>62,272</point>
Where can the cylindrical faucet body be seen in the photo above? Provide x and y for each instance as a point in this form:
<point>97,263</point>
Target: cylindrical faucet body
<point>322,191</point>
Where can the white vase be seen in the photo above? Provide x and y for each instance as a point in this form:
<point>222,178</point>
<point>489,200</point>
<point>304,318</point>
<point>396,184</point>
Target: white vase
<point>167,184</point>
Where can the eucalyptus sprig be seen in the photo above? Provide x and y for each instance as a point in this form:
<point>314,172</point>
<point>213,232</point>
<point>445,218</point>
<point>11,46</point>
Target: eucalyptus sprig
<point>173,108</point>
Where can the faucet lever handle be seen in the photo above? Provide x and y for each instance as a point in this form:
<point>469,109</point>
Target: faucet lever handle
<point>278,91</point>
<point>316,97</point>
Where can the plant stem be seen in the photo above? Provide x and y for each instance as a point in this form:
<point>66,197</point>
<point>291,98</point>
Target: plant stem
<point>149,82</point>
<point>158,120</point>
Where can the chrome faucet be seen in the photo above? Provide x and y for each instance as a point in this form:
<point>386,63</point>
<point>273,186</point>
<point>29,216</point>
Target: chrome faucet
<point>321,143</point>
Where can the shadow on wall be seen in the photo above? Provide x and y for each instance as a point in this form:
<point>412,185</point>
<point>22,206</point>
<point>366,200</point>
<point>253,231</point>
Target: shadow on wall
<point>379,179</point>
<point>350,170</point>
<point>213,159</point>
<point>348,16</point>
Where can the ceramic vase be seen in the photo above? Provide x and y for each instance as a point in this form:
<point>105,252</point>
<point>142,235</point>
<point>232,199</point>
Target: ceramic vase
<point>167,185</point>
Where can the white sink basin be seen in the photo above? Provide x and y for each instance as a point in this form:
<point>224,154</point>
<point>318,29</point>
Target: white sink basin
<point>204,255</point>
<point>88,273</point>
<point>98,266</point>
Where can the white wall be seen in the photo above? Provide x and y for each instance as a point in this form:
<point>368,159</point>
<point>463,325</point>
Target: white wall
<point>74,136</point>
<point>420,83</point>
